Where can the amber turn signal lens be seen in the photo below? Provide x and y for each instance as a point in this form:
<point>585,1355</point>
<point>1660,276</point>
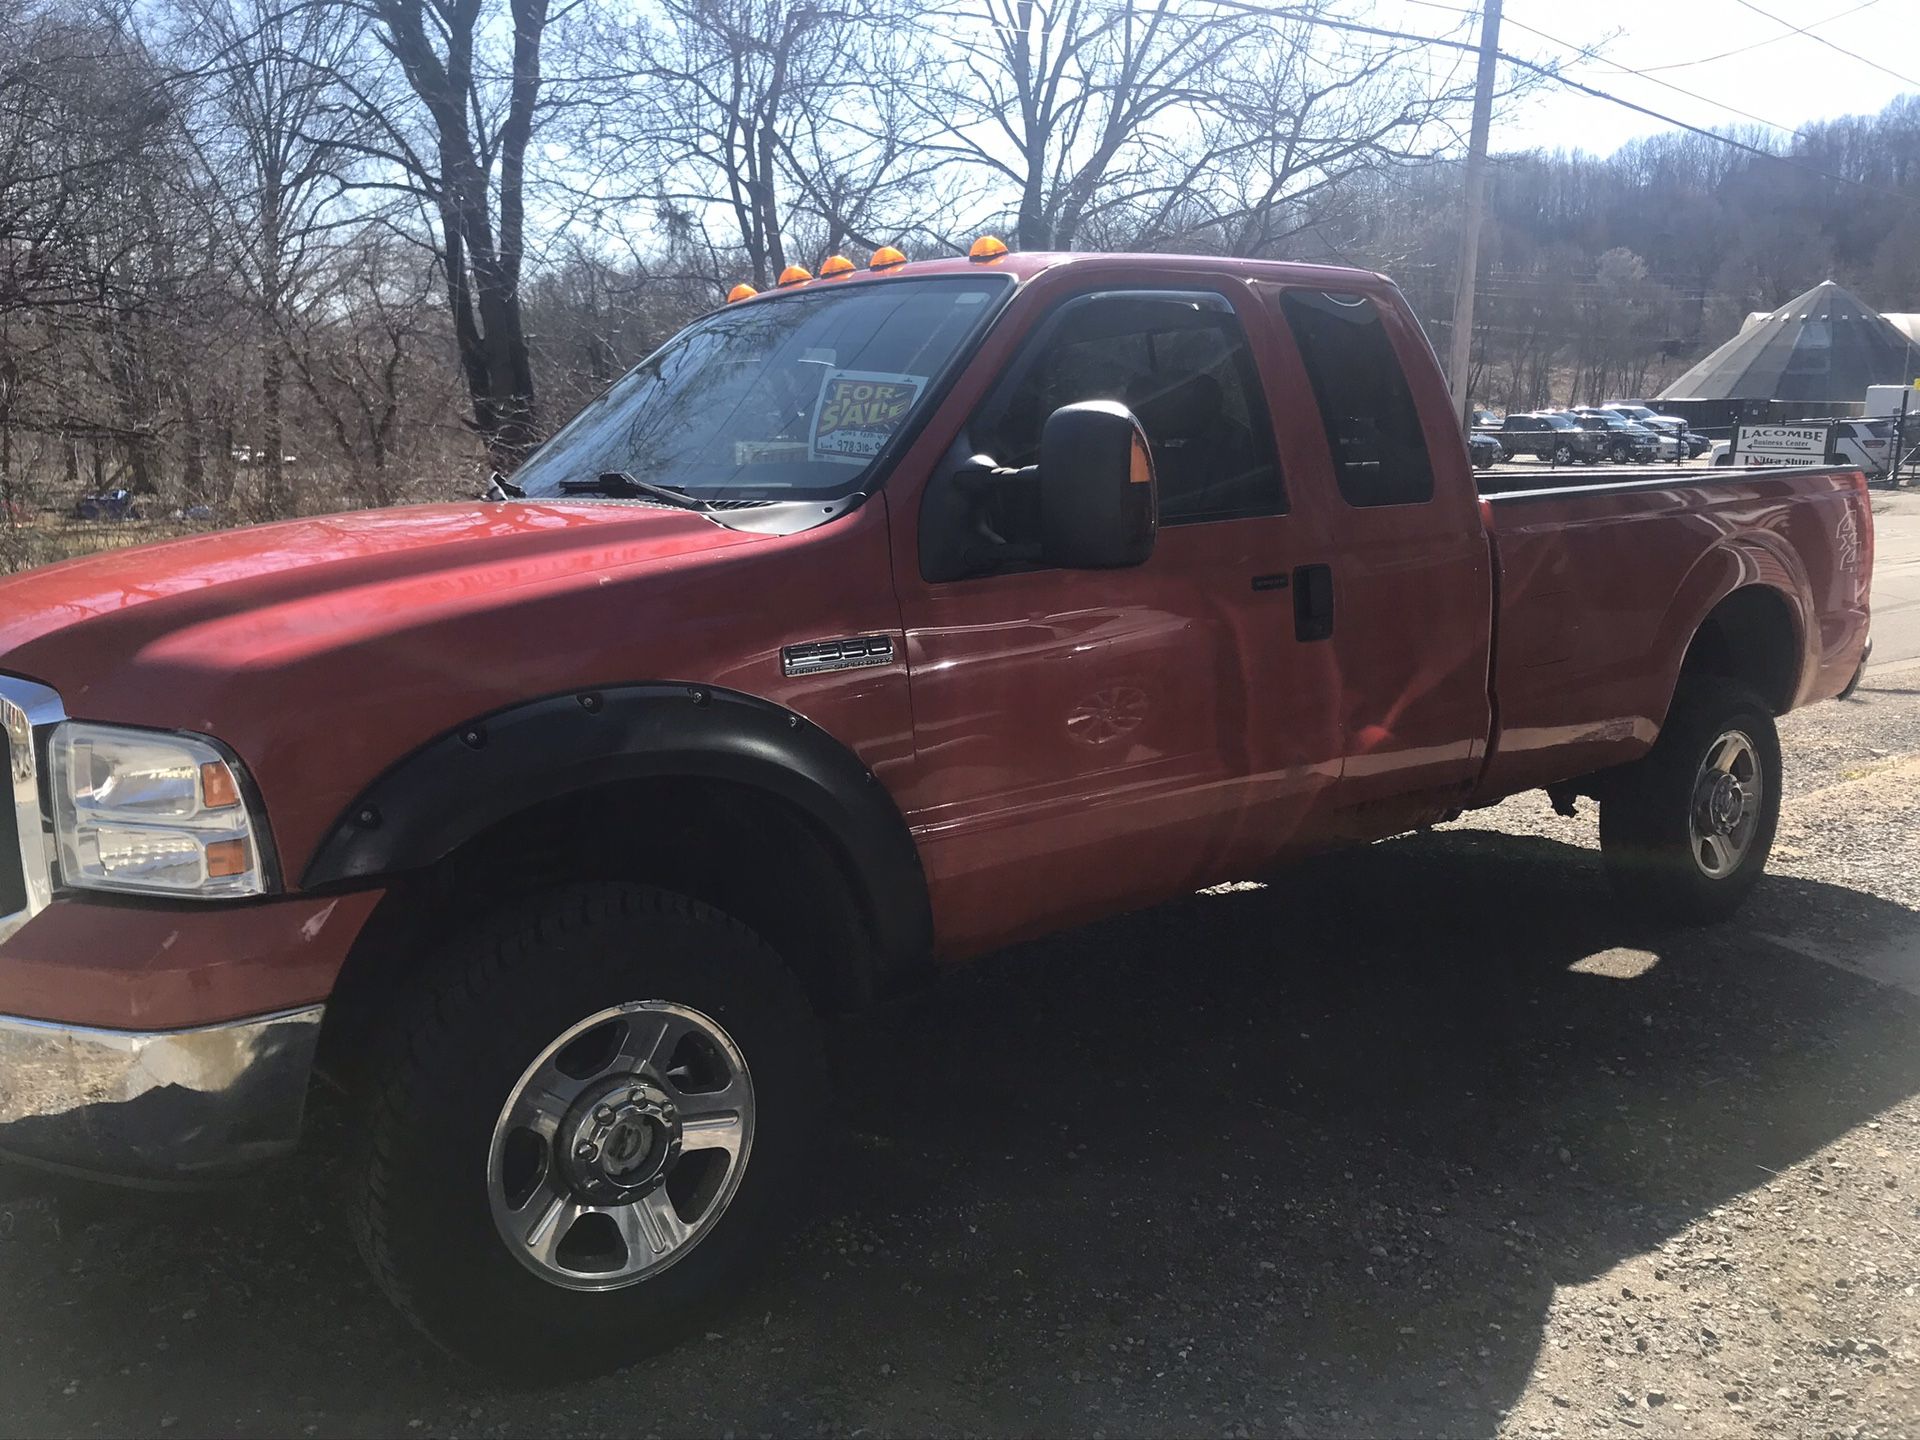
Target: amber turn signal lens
<point>835,265</point>
<point>987,247</point>
<point>1140,463</point>
<point>885,258</point>
<point>217,786</point>
<point>794,274</point>
<point>226,858</point>
<point>741,291</point>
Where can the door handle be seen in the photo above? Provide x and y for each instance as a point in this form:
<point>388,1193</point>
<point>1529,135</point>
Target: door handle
<point>1312,602</point>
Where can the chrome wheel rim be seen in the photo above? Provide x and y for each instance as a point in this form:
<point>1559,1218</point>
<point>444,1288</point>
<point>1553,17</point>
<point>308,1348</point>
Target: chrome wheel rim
<point>621,1145</point>
<point>1724,815</point>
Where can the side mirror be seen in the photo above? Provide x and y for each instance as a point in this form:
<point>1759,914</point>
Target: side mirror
<point>1099,502</point>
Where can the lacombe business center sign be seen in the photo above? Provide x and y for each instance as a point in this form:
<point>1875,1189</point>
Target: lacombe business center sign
<point>1780,445</point>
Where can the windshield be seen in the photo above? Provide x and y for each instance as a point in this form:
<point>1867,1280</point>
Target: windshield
<point>791,398</point>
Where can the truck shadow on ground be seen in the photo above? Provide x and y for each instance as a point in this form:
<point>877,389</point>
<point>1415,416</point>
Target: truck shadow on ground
<point>1306,1158</point>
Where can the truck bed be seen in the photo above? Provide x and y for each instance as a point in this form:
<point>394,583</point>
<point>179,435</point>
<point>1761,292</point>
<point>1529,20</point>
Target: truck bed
<point>1601,583</point>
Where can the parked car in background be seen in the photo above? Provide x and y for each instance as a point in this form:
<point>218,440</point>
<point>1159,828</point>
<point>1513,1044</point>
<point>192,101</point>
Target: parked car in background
<point>107,505</point>
<point>1626,442</point>
<point>1865,443</point>
<point>1551,435</point>
<point>1484,450</point>
<point>1485,420</point>
<point>1696,443</point>
<point>1666,444</point>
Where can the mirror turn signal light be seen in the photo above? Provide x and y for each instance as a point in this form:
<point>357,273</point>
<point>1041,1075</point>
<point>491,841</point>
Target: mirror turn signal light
<point>835,265</point>
<point>741,291</point>
<point>885,258</point>
<point>986,248</point>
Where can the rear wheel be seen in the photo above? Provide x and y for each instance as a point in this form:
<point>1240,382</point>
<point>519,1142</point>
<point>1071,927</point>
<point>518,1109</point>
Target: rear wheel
<point>586,1128</point>
<point>1686,832</point>
<point>1621,454</point>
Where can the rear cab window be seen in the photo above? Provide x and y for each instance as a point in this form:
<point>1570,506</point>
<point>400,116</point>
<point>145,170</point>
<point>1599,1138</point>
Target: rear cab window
<point>1372,424</point>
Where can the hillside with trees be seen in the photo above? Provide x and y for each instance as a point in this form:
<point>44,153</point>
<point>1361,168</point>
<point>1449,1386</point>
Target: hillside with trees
<point>264,259</point>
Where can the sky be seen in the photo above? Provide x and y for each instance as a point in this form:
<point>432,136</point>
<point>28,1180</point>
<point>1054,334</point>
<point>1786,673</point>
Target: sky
<point>1788,80</point>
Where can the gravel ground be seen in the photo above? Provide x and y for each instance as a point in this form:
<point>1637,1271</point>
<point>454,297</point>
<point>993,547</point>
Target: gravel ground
<point>1421,1140</point>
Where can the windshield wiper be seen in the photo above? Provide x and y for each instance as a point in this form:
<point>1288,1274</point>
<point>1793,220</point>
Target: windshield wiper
<point>619,485</point>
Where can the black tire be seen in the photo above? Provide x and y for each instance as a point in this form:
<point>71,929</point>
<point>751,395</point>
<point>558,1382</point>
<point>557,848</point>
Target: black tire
<point>1647,830</point>
<point>1562,454</point>
<point>1621,454</point>
<point>458,1044</point>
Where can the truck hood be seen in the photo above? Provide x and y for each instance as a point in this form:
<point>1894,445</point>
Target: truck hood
<point>243,598</point>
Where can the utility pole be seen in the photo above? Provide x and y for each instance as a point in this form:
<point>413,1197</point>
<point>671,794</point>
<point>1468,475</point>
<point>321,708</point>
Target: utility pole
<point>1462,356</point>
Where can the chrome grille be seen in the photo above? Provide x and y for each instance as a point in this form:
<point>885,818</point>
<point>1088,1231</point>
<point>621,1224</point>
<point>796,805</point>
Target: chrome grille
<point>26,881</point>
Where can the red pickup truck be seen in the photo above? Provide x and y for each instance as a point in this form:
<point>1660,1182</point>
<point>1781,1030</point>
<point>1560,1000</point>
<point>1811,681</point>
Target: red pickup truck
<point>871,623</point>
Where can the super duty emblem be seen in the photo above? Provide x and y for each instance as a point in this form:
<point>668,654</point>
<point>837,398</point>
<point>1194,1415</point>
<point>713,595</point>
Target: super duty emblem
<point>854,653</point>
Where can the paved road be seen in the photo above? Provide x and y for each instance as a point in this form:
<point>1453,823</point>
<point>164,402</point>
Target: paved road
<point>1896,577</point>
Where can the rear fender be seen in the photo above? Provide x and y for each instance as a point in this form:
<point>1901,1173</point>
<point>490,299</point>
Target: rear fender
<point>1755,558</point>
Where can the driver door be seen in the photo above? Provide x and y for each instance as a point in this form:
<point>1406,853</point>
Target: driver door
<point>1090,740</point>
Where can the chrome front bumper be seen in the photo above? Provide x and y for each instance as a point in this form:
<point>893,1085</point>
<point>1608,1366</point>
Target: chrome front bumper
<point>157,1107</point>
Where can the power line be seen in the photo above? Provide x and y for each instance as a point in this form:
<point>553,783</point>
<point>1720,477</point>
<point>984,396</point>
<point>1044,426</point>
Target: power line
<point>1840,49</point>
<point>1593,52</point>
<point>1547,72</point>
<point>1758,44</point>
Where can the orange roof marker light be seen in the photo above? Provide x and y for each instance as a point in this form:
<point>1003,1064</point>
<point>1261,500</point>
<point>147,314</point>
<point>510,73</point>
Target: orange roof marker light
<point>885,258</point>
<point>742,291</point>
<point>986,249</point>
<point>835,265</point>
<point>794,274</point>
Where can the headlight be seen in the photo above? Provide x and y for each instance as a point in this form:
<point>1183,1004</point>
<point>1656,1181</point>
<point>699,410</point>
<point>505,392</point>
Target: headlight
<point>148,812</point>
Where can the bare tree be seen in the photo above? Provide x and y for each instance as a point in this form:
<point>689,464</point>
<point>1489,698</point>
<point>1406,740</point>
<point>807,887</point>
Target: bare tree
<point>277,139</point>
<point>450,125</point>
<point>1155,122</point>
<point>89,239</point>
<point>368,354</point>
<point>764,131</point>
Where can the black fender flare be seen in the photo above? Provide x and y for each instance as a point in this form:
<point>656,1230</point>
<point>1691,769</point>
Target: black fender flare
<point>496,766</point>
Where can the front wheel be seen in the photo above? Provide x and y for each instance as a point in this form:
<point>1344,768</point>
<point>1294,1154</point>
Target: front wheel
<point>1685,833</point>
<point>586,1128</point>
<point>1563,454</point>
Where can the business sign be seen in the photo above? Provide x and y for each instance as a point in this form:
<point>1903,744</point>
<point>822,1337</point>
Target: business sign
<point>1780,445</point>
<point>858,411</point>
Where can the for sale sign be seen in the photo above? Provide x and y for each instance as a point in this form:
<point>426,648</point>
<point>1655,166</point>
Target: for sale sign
<point>858,411</point>
<point>1780,445</point>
